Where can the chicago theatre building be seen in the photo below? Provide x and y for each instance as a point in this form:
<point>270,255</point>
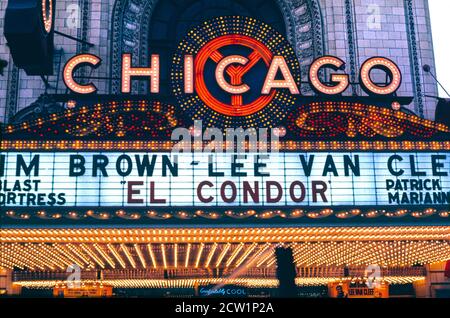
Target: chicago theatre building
<point>344,176</point>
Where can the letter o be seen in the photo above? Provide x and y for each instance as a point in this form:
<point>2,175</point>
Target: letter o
<point>385,65</point>
<point>292,192</point>
<point>223,189</point>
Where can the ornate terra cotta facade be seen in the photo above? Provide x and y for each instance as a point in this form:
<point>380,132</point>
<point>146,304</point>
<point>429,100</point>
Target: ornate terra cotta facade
<point>354,31</point>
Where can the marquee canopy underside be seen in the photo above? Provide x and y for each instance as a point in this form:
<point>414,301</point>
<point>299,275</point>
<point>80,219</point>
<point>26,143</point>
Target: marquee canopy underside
<point>220,249</point>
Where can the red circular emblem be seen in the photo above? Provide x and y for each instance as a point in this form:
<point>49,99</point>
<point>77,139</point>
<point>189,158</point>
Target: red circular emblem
<point>236,73</point>
<point>231,54</point>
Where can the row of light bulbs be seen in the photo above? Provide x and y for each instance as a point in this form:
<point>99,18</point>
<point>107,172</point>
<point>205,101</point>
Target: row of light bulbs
<point>231,235</point>
<point>192,283</point>
<point>43,256</point>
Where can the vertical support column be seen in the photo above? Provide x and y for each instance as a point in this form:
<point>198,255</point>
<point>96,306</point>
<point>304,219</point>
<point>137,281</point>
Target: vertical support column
<point>352,47</point>
<point>421,288</point>
<point>6,283</point>
<point>12,92</point>
<point>414,57</point>
<point>83,33</point>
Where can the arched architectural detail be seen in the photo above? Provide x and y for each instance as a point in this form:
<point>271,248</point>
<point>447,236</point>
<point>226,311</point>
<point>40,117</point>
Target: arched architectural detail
<point>131,24</point>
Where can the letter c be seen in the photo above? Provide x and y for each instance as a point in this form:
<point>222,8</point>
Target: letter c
<point>396,173</point>
<point>227,87</point>
<point>199,192</point>
<point>70,68</point>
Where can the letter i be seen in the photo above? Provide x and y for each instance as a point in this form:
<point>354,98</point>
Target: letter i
<point>188,74</point>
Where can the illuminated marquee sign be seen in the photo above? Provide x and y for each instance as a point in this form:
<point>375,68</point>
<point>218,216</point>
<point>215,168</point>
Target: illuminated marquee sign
<point>238,70</point>
<point>201,180</point>
<point>276,64</point>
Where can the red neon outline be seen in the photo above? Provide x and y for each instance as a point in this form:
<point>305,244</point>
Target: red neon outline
<point>210,50</point>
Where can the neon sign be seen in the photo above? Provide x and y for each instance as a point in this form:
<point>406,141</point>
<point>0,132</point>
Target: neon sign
<point>239,72</point>
<point>236,66</point>
<point>239,67</point>
<point>47,15</point>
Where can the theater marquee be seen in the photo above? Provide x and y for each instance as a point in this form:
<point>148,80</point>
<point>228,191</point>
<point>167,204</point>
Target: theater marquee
<point>117,179</point>
<point>227,73</point>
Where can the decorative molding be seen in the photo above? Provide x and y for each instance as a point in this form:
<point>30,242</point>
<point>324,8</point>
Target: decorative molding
<point>309,35</point>
<point>352,46</point>
<point>313,121</point>
<point>83,31</point>
<point>358,120</point>
<point>164,215</point>
<point>130,28</point>
<point>167,146</point>
<point>12,93</point>
<point>414,57</point>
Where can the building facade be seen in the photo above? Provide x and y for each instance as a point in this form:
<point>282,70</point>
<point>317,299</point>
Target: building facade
<point>90,185</point>
<point>354,30</point>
